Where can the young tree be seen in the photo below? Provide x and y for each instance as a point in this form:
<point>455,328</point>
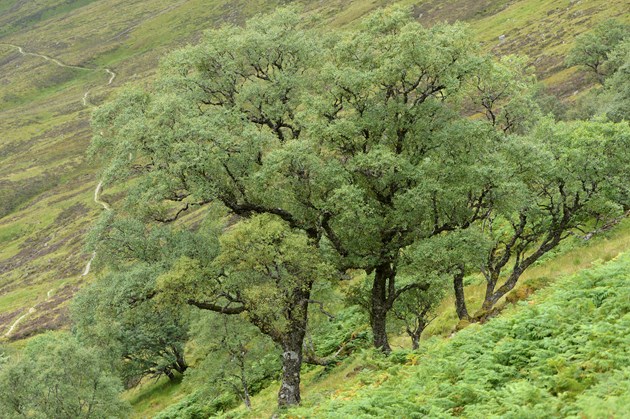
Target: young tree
<point>416,309</point>
<point>592,49</point>
<point>265,271</point>
<point>119,313</point>
<point>56,377</point>
<point>237,358</point>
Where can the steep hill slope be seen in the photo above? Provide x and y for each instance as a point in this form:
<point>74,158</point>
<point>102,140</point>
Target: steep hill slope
<point>365,383</point>
<point>565,353</point>
<point>58,59</point>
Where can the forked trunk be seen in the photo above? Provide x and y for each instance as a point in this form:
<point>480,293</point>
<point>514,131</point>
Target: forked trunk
<point>493,296</point>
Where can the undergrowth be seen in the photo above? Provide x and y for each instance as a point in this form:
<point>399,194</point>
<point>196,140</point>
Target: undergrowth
<point>566,354</point>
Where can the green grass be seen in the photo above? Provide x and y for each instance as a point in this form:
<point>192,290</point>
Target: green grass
<point>549,357</point>
<point>344,382</point>
<point>565,356</point>
<point>45,128</point>
<point>154,396</point>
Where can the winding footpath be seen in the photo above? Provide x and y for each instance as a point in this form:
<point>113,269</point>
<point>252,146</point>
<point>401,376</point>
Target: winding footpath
<point>112,75</point>
<point>106,207</point>
<point>19,319</point>
<point>86,270</point>
<point>99,188</point>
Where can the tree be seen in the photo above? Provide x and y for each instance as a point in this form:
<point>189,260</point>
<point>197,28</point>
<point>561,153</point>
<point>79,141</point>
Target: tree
<point>264,271</point>
<point>506,93</point>
<point>616,94</point>
<point>360,143</point>
<point>592,49</point>
<point>56,377</point>
<point>416,309</point>
<point>118,311</point>
<point>410,165</point>
<point>237,358</point>
<point>144,338</point>
<point>566,176</point>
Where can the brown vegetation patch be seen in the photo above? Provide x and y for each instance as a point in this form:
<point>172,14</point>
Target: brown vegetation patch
<point>52,314</point>
<point>7,319</point>
<point>71,213</point>
<point>431,12</point>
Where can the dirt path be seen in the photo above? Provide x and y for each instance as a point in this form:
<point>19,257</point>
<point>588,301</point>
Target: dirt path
<point>86,270</point>
<point>99,188</point>
<point>19,319</point>
<point>106,207</point>
<point>97,199</point>
<point>112,75</point>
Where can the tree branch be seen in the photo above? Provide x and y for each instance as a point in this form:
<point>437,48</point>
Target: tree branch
<point>216,307</point>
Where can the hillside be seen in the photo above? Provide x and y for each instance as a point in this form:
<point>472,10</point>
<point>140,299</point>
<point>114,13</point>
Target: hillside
<point>542,349</point>
<point>368,385</point>
<point>47,180</point>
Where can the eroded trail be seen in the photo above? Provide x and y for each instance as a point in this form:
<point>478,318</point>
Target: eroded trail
<point>19,319</point>
<point>106,207</point>
<point>112,75</point>
<point>86,270</point>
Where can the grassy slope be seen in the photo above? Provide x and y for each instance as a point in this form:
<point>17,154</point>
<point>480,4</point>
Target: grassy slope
<point>45,179</point>
<point>563,354</point>
<point>359,376</point>
<point>46,182</point>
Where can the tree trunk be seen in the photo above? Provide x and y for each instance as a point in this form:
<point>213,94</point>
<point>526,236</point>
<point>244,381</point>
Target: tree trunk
<point>460,300</point>
<point>415,341</point>
<point>378,314</point>
<point>489,298</point>
<point>493,296</point>
<point>180,365</point>
<point>246,398</point>
<point>292,342</point>
<point>289,394</point>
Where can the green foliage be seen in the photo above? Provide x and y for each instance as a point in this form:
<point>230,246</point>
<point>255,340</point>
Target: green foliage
<point>565,356</point>
<point>328,133</point>
<point>143,338</point>
<point>120,310</point>
<point>563,175</point>
<point>616,94</point>
<point>196,406</point>
<point>606,51</point>
<point>235,357</point>
<point>593,49</point>
<point>506,94</point>
<point>343,335</point>
<point>56,377</point>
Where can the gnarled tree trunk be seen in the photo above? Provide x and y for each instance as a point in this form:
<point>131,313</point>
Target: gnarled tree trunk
<point>460,300</point>
<point>380,306</point>
<point>292,342</point>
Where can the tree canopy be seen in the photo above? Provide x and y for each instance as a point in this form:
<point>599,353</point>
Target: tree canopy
<point>57,377</point>
<point>394,150</point>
